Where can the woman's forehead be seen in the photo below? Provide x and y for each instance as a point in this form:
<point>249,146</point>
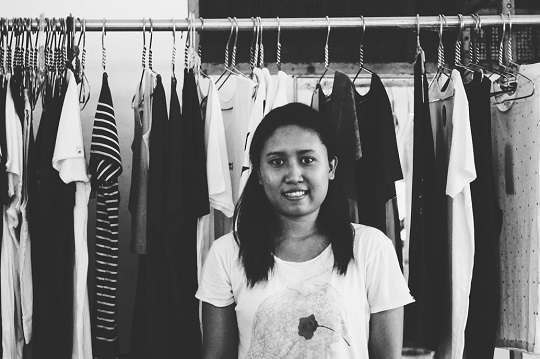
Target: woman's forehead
<point>293,137</point>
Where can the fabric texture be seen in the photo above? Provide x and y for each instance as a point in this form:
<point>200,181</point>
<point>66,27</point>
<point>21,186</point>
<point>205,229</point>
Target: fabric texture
<point>52,231</point>
<point>340,109</point>
<point>449,110</point>
<point>516,161</point>
<point>70,162</point>
<point>307,309</point>
<point>485,296</point>
<point>105,167</point>
<point>142,111</point>
<point>428,251</point>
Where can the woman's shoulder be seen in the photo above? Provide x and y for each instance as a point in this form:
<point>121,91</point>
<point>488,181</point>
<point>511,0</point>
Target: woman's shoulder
<point>369,240</point>
<point>225,243</point>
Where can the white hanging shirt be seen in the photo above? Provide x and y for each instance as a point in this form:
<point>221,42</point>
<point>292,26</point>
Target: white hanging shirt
<point>451,124</point>
<point>281,95</point>
<point>13,335</point>
<point>70,161</point>
<point>257,114</point>
<point>270,91</point>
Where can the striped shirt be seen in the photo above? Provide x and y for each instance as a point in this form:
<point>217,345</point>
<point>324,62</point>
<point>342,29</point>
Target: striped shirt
<point>105,167</point>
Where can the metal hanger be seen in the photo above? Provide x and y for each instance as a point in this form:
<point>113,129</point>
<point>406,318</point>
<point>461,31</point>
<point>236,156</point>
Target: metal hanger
<point>278,52</point>
<point>326,53</point>
<point>173,57</point>
<point>361,52</point>
<point>510,83</point>
<point>103,50</point>
<point>233,70</point>
<point>441,62</point>
<point>199,51</point>
<point>226,63</point>
<point>261,45</point>
<point>254,48</point>
<point>150,58</point>
<point>84,90</point>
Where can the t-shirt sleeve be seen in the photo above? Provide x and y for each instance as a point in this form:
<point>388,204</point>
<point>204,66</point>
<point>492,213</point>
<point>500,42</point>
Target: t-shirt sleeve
<point>215,286</point>
<point>69,158</point>
<point>386,286</point>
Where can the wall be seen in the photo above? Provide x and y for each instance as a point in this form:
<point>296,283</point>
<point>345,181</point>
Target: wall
<point>124,69</point>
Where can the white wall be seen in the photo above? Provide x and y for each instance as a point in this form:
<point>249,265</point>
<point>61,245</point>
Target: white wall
<point>124,69</point>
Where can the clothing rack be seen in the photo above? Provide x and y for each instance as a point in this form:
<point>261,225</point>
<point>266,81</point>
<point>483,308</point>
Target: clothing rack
<point>402,22</point>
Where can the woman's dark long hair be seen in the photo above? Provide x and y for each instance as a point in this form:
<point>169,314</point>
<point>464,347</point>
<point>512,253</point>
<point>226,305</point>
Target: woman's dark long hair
<point>255,225</point>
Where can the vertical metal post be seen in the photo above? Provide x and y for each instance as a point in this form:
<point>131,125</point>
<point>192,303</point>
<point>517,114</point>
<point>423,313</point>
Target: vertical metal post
<point>509,7</point>
<point>193,6</point>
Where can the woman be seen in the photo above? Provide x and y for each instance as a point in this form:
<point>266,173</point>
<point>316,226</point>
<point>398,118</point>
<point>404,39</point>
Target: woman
<point>295,279</point>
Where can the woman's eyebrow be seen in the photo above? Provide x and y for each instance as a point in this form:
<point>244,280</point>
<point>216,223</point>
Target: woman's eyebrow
<point>281,153</point>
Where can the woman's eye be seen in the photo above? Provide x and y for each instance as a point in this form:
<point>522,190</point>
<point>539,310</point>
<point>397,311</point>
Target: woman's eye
<point>276,162</point>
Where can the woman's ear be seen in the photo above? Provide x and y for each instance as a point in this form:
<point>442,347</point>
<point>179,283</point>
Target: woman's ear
<point>333,166</point>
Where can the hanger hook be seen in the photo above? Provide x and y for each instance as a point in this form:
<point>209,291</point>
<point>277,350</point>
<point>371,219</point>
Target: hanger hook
<point>278,53</point>
<point>509,51</point>
<point>501,45</point>
<point>151,34</point>
<point>418,31</point>
<point>228,43</point>
<point>457,55</point>
<point>235,41</point>
<point>326,50</point>
<point>103,50</point>
<point>173,59</point>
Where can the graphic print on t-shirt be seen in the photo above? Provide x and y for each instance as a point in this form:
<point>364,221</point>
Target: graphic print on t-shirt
<point>302,321</point>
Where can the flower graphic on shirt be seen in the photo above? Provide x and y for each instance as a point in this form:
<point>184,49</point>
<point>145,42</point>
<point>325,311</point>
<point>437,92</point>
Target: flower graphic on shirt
<point>308,325</point>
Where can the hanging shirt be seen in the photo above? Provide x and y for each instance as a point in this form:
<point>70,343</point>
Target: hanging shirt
<point>281,94</point>
<point>257,114</point>
<point>52,232</point>
<point>379,166</point>
<point>25,242</point>
<point>270,91</point>
<point>452,137</point>
<point>217,168</point>
<point>483,318</point>
<point>307,309</point>
<point>195,204</point>
<point>340,109</point>
<point>70,161</point>
<point>428,254</point>
<point>10,270</point>
<point>515,129</point>
<point>105,167</point>
<point>142,110</point>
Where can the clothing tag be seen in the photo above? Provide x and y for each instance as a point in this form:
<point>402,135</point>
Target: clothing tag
<point>509,169</point>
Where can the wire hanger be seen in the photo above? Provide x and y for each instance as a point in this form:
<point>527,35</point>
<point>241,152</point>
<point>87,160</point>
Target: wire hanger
<point>173,57</point>
<point>361,52</point>
<point>254,49</point>
<point>278,52</point>
<point>199,51</point>
<point>326,53</point>
<point>510,83</point>
<point>103,50</point>
<point>84,91</point>
<point>261,45</point>
<point>226,63</point>
<point>441,62</point>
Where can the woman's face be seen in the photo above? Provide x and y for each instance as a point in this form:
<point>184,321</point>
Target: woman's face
<point>295,171</point>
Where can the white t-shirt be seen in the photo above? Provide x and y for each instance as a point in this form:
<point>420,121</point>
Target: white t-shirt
<point>257,114</point>
<point>281,95</point>
<point>270,91</point>
<point>217,170</point>
<point>70,161</point>
<point>10,268</point>
<point>451,124</point>
<point>307,309</point>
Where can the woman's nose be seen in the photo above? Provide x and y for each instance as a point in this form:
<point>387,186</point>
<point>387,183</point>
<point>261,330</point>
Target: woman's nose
<point>294,173</point>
